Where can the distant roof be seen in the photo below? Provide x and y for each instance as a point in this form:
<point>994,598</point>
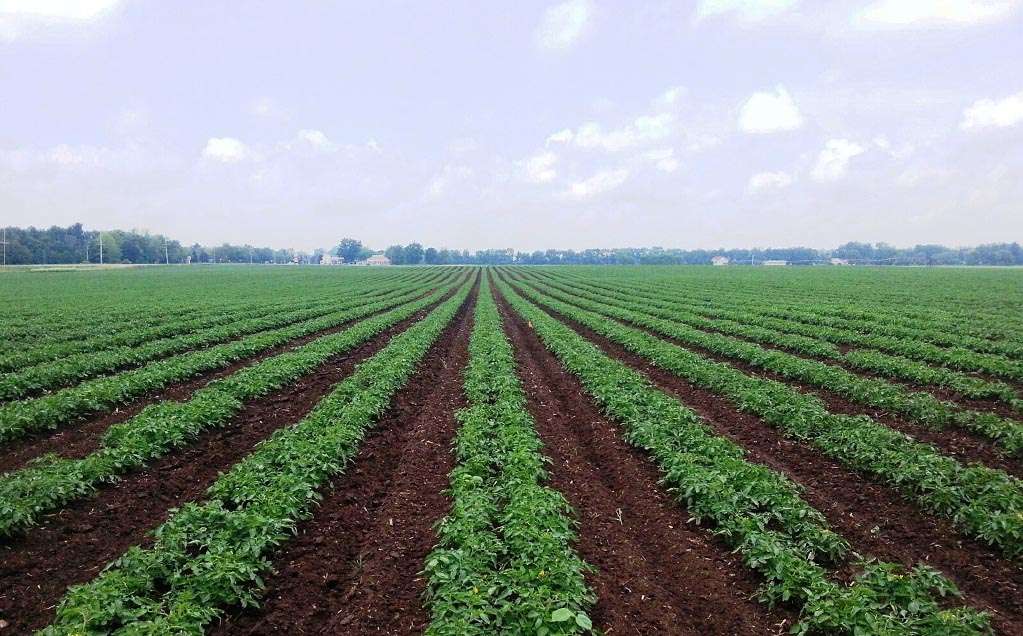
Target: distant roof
<point>378,257</point>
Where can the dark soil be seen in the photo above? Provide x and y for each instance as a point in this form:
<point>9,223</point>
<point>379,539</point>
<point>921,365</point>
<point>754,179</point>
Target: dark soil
<point>962,445</point>
<point>873,518</point>
<point>70,547</point>
<point>78,439</point>
<point>657,573</point>
<point>355,567</point>
<point>370,296</point>
<point>942,393</point>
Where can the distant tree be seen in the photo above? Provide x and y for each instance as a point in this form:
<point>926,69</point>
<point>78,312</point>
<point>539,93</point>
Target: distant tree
<point>396,254</point>
<point>413,254</point>
<point>349,249</point>
<point>111,248</point>
<point>431,256</point>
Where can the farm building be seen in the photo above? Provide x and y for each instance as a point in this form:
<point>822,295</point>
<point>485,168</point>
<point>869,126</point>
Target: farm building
<point>330,259</point>
<point>719,260</point>
<point>839,261</point>
<point>378,259</point>
<point>775,263</point>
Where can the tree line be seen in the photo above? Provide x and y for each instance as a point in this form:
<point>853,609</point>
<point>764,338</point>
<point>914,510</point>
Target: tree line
<point>852,253</point>
<point>73,244</point>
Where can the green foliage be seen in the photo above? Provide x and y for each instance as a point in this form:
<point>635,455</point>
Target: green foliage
<point>210,556</point>
<point>983,502</point>
<point>876,393</point>
<point>504,563</point>
<point>754,509</point>
<point>51,410</point>
<point>28,493</point>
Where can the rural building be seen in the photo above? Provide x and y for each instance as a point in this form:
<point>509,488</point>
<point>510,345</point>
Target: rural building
<point>378,259</point>
<point>330,259</point>
<point>719,260</point>
<point>775,263</point>
<point>839,261</point>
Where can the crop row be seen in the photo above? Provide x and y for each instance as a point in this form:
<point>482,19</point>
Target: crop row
<point>94,308</point>
<point>212,555</point>
<point>106,338</point>
<point>973,304</point>
<point>808,311</point>
<point>52,481</point>
<point>96,396</point>
<point>505,561</point>
<point>745,325</point>
<point>33,380</point>
<point>984,502</point>
<point>755,510</point>
<point>953,357</point>
<point>920,407</point>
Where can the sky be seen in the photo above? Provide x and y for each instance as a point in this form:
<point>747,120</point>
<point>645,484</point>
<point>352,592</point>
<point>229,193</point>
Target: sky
<point>532,125</point>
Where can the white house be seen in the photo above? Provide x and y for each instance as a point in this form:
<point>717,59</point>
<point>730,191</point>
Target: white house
<point>330,259</point>
<point>378,259</point>
<point>719,260</point>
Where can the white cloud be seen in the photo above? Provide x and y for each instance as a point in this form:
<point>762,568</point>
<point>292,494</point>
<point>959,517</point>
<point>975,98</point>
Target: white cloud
<point>564,24</point>
<point>643,129</point>
<point>670,98</point>
<point>770,112</point>
<point>450,175</point>
<point>603,181</point>
<point>769,181</point>
<point>57,9</point>
<point>21,17</point>
<point>226,149</point>
<point>562,136</point>
<point>834,159</point>
<point>886,146</point>
<point>540,167</point>
<point>317,139</point>
<point>990,113</point>
<point>934,13</point>
<point>663,158</point>
<point>749,10</point>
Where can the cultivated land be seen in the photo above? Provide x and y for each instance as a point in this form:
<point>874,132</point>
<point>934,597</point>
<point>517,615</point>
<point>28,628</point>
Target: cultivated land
<point>513,450</point>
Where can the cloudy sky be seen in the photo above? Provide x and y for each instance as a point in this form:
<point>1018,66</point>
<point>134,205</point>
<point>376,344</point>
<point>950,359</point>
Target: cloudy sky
<point>585,123</point>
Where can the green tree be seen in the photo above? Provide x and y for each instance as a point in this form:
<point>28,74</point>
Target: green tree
<point>349,249</point>
<point>396,253</point>
<point>413,254</point>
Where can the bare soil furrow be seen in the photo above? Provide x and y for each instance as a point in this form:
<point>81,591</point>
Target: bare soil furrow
<point>70,547</point>
<point>355,567</point>
<point>657,573</point>
<point>77,439</point>
<point>875,519</point>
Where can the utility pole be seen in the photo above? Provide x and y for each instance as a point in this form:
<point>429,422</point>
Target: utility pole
<point>101,248</point>
<point>214,253</point>
<point>166,254</point>
<point>5,246</point>
<point>250,255</point>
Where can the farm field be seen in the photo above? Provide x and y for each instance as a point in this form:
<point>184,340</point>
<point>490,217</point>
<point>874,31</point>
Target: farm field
<point>511,450</point>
